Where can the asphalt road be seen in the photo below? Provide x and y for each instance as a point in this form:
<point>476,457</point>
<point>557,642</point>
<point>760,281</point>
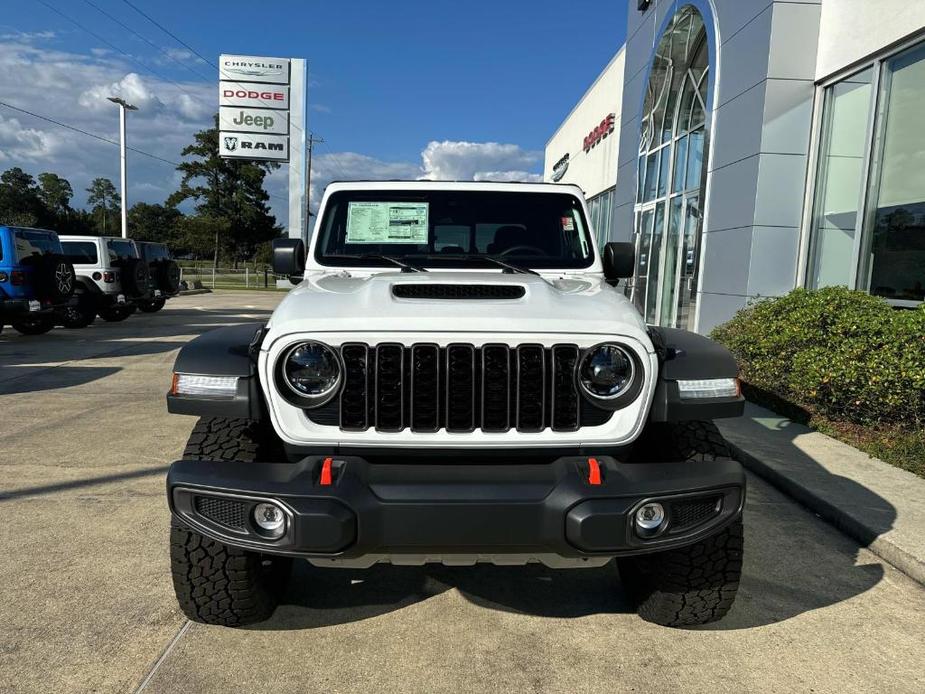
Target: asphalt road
<point>87,604</point>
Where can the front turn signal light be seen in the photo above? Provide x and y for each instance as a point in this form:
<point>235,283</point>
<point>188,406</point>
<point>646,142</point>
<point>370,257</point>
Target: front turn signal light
<point>204,386</point>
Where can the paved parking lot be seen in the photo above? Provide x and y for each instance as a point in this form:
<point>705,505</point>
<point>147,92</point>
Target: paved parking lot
<point>87,604</point>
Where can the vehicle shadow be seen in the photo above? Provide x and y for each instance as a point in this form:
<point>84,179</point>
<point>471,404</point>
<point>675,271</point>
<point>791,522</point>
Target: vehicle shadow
<point>56,359</point>
<point>793,564</point>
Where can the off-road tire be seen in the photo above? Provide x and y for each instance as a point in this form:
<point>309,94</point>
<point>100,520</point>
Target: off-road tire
<point>152,306</point>
<point>115,314</point>
<point>34,326</point>
<point>214,583</point>
<point>79,316</point>
<point>670,442</point>
<point>226,586</point>
<point>166,275</point>
<point>692,585</point>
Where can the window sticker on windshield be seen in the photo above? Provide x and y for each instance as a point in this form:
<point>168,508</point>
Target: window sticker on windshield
<point>568,224</point>
<point>387,222</point>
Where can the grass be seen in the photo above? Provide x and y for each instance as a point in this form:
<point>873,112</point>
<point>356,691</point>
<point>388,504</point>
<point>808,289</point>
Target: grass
<point>902,447</point>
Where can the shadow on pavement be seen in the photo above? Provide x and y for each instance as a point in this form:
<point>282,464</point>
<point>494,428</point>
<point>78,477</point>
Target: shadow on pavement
<point>30,364</point>
<point>78,484</point>
<point>793,565</point>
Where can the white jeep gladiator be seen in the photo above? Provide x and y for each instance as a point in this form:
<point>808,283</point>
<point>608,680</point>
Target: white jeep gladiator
<point>457,378</point>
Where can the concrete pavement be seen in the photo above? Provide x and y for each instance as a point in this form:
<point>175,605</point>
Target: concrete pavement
<point>88,606</point>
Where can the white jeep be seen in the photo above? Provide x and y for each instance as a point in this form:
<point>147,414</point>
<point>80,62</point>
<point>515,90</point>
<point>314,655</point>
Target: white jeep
<point>112,279</point>
<point>457,379</point>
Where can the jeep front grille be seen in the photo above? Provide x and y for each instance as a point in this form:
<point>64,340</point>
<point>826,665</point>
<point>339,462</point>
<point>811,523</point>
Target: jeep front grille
<point>459,388</point>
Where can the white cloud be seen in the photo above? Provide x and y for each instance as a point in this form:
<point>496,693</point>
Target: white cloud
<point>466,161</point>
<point>28,36</point>
<point>21,144</point>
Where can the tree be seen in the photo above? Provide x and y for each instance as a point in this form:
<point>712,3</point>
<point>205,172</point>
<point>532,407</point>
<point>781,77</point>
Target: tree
<point>230,193</point>
<point>104,202</point>
<point>20,203</point>
<point>56,194</point>
<point>147,222</point>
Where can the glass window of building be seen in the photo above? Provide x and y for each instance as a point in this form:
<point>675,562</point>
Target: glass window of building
<point>670,173</point>
<point>868,229</point>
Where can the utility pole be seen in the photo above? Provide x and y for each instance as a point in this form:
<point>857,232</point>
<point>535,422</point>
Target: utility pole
<point>312,139</point>
<point>123,107</point>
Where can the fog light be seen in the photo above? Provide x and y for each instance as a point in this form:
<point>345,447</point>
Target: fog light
<point>649,519</point>
<point>270,519</point>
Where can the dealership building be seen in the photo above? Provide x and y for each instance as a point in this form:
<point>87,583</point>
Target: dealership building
<point>748,147</point>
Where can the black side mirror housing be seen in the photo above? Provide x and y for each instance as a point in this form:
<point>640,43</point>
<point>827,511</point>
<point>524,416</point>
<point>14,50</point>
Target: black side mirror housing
<point>619,260</point>
<point>289,259</point>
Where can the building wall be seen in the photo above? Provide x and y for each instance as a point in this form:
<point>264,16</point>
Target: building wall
<point>595,170</point>
<point>851,30</point>
<point>763,64</point>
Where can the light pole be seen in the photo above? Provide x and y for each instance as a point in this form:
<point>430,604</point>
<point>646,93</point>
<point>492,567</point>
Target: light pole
<point>123,107</point>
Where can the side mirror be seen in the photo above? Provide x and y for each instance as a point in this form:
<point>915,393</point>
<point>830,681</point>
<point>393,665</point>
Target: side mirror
<point>619,260</point>
<point>289,258</point>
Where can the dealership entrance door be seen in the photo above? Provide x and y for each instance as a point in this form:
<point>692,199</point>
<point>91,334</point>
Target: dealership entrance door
<point>672,152</point>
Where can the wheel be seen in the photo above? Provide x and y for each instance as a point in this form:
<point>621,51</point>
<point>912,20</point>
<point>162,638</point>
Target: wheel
<point>670,442</point>
<point>114,314</point>
<point>687,586</point>
<point>166,274</point>
<point>34,326</point>
<point>214,583</point>
<point>135,276</point>
<point>691,585</point>
<point>80,316</point>
<point>152,306</point>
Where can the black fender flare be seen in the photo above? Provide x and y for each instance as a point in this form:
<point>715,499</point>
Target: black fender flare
<point>682,356</point>
<point>226,351</point>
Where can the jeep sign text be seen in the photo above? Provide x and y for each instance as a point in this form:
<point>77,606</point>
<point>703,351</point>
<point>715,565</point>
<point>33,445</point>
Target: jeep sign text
<point>253,95</point>
<point>253,120</point>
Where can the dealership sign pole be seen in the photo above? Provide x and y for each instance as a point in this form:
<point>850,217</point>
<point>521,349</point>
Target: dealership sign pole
<point>262,117</point>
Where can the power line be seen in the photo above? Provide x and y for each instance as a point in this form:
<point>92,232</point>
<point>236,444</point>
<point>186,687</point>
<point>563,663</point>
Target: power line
<point>116,48</point>
<point>193,50</point>
<point>146,40</point>
<point>75,129</point>
<point>87,133</point>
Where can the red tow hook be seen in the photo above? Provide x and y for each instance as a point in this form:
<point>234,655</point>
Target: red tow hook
<point>594,472</point>
<point>325,479</point>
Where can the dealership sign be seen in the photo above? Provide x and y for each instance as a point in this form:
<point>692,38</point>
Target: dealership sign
<point>253,96</point>
<point>253,107</point>
<point>246,68</point>
<point>559,168</point>
<point>602,130</point>
<point>253,146</point>
<point>253,120</point>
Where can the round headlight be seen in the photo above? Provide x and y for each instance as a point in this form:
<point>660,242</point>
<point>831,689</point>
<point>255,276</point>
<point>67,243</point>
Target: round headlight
<point>606,372</point>
<point>312,371</point>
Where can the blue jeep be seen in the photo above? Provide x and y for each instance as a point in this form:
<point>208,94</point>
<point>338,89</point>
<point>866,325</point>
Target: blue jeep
<point>36,279</point>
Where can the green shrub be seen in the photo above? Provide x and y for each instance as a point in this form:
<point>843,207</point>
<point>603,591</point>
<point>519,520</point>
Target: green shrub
<point>846,355</point>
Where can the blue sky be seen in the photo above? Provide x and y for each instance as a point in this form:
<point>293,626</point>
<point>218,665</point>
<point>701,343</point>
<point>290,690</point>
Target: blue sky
<point>397,89</point>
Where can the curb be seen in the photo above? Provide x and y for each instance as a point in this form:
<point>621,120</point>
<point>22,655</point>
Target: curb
<point>887,550</point>
<point>193,292</point>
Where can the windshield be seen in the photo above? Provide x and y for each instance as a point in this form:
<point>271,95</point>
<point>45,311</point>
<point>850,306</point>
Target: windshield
<point>450,228</point>
<point>35,242</point>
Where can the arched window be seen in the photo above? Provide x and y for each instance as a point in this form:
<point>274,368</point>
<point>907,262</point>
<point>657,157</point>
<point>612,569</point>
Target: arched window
<point>672,151</point>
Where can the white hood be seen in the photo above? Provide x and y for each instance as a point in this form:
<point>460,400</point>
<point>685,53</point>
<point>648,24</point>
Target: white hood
<point>341,302</point>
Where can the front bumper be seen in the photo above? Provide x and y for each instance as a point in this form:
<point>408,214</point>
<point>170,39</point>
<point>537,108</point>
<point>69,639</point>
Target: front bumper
<point>454,509</point>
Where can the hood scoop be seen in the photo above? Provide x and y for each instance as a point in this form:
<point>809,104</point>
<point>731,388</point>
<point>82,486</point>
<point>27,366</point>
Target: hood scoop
<point>470,292</point>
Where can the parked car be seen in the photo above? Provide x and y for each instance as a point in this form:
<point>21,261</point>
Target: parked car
<point>163,272</point>
<point>455,379</point>
<point>111,278</point>
<point>36,279</point>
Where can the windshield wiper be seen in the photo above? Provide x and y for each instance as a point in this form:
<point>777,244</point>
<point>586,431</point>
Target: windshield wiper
<point>508,267</point>
<point>405,267</point>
